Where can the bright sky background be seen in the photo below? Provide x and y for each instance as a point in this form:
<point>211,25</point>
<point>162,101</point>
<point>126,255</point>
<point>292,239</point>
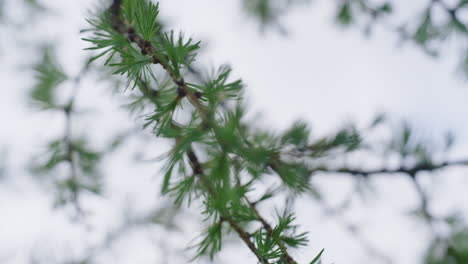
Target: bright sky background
<point>318,72</point>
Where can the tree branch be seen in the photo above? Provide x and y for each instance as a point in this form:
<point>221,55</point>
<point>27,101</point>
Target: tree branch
<point>411,171</point>
<point>70,154</point>
<point>182,91</point>
<point>269,230</point>
<point>197,169</point>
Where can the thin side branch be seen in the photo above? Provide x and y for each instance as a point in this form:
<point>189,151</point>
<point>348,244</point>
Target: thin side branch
<point>269,230</point>
<point>411,171</point>
<point>70,153</point>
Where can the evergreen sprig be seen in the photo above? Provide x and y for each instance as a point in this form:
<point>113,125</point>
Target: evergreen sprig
<point>49,76</point>
<point>82,160</point>
<point>215,128</point>
<point>219,157</point>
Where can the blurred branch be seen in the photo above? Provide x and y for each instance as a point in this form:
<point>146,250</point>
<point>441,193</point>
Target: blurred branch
<point>410,171</point>
<point>424,201</point>
<point>421,29</point>
<point>71,155</point>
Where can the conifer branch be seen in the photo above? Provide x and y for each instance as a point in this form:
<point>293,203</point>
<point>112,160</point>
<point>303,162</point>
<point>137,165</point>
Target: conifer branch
<point>140,44</point>
<point>242,234</point>
<point>266,246</point>
<point>147,48</point>
<point>246,238</point>
<point>269,230</point>
<point>184,91</point>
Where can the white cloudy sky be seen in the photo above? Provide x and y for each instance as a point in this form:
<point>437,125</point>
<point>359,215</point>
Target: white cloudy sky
<point>318,72</point>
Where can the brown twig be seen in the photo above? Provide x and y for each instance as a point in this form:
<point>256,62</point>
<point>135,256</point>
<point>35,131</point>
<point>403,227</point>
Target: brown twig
<point>411,171</point>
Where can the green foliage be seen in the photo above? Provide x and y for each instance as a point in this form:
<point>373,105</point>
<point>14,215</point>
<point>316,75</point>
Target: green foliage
<point>35,5</point>
<point>83,175</point>
<point>49,76</point>
<point>82,162</point>
<point>426,30</point>
<point>317,260</point>
<point>218,89</point>
<point>263,9</point>
<point>133,64</point>
<point>212,242</point>
<point>175,159</point>
<point>285,232</point>
<point>463,65</point>
<point>294,175</point>
<point>378,120</point>
<point>349,11</point>
<point>386,7</point>
<point>182,190</point>
<point>55,154</point>
<point>178,52</point>
<point>267,246</point>
<point>429,34</point>
<point>2,10</point>
<point>87,158</point>
<point>219,157</point>
<point>271,243</point>
<point>344,15</point>
<point>269,12</point>
<point>234,155</point>
<point>171,51</point>
<point>104,37</point>
<point>142,15</point>
<point>297,135</point>
<point>406,144</point>
<point>347,139</point>
<point>451,250</point>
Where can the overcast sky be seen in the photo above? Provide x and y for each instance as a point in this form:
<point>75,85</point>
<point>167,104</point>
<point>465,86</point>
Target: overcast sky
<point>320,73</point>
